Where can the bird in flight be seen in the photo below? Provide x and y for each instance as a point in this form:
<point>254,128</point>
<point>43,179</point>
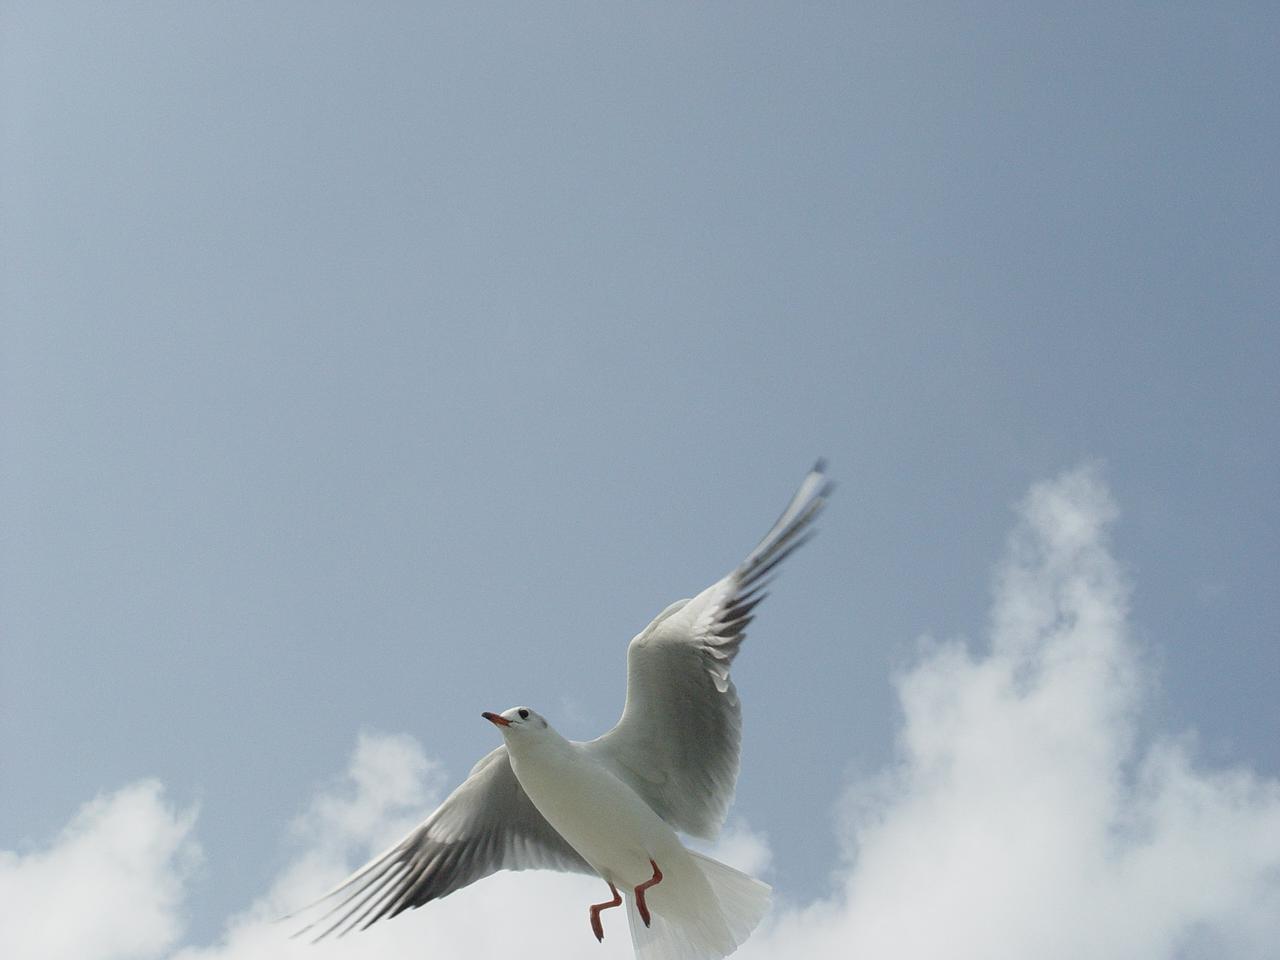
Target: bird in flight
<point>612,806</point>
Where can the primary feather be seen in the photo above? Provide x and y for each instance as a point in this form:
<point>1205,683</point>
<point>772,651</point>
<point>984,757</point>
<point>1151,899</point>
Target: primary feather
<point>677,743</point>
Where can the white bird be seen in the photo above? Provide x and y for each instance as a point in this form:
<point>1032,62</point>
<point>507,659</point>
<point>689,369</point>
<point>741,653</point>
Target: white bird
<point>612,806</point>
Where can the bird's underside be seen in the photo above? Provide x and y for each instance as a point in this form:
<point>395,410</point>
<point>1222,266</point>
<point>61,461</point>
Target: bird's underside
<point>676,747</point>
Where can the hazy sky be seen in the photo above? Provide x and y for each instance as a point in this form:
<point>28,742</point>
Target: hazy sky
<point>369,366</point>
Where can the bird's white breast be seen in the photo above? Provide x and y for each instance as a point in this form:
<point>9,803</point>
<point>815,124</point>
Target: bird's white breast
<point>597,814</point>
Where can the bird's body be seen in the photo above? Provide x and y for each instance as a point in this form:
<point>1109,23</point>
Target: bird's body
<point>612,806</point>
<point>602,818</point>
<point>699,907</point>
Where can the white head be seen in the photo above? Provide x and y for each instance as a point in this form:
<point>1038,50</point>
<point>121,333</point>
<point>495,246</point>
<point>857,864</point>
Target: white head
<point>518,721</point>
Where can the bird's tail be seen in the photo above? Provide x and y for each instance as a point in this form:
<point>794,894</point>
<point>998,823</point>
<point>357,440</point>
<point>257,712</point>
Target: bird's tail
<point>702,917</point>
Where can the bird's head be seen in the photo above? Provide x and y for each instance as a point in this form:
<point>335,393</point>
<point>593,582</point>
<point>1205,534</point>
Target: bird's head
<point>516,721</point>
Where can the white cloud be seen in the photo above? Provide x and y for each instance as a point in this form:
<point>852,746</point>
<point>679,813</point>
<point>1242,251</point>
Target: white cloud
<point>110,886</point>
<point>1023,818</point>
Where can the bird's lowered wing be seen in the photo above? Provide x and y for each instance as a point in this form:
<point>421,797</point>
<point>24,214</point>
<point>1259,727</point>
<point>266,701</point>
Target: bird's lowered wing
<point>678,740</point>
<point>487,824</point>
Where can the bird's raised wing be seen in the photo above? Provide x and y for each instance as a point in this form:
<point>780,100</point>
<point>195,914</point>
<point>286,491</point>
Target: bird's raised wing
<point>487,824</point>
<point>678,739</point>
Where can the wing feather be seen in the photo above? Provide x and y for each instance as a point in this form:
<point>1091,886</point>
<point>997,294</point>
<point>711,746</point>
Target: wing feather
<point>678,740</point>
<point>487,824</point>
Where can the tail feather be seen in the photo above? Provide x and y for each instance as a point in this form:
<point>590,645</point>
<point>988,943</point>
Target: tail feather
<point>707,918</point>
<point>743,900</point>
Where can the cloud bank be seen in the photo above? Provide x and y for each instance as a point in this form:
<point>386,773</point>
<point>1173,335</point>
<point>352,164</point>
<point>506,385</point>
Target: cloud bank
<point>1025,816</point>
<point>111,885</point>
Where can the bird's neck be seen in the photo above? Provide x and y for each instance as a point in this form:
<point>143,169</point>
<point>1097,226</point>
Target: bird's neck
<point>547,747</point>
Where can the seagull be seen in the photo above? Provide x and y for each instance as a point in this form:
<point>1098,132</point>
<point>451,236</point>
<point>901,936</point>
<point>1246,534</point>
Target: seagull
<point>614,806</point>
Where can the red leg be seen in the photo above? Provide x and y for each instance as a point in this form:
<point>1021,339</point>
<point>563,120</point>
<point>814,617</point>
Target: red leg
<point>596,926</point>
<point>640,904</point>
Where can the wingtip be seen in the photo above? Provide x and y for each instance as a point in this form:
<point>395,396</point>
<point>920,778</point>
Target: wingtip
<point>819,470</point>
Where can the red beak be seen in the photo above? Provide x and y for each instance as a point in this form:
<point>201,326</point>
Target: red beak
<point>495,719</point>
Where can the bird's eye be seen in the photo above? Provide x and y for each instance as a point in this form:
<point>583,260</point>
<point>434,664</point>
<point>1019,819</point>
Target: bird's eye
<point>524,714</point>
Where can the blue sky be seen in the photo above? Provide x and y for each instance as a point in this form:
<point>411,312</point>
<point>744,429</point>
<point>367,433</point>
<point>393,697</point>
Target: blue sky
<point>367,368</point>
